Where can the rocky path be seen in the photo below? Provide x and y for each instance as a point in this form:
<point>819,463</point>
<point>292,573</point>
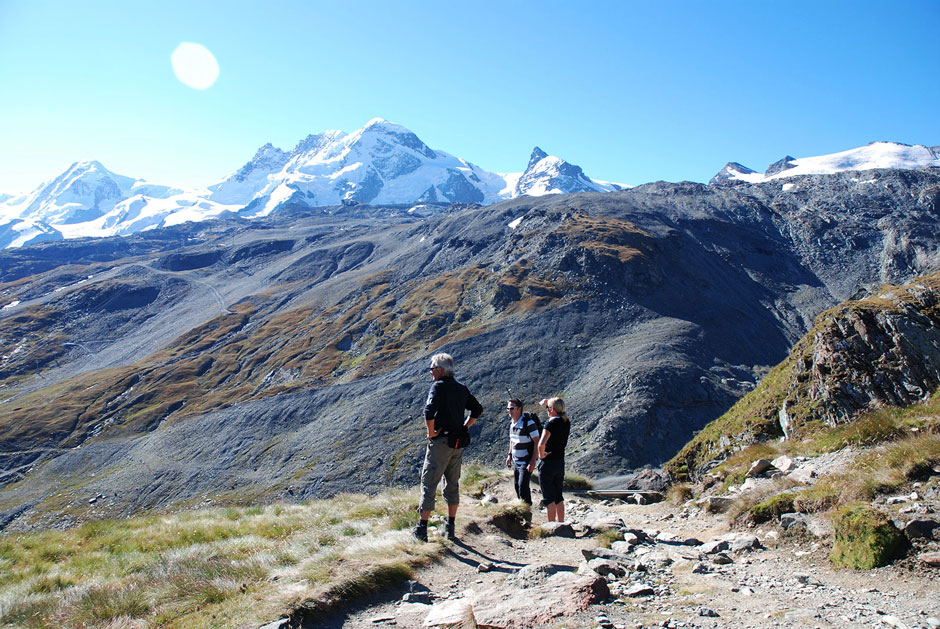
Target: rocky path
<point>676,568</point>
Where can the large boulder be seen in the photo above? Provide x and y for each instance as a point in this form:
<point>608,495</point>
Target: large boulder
<point>547,595</point>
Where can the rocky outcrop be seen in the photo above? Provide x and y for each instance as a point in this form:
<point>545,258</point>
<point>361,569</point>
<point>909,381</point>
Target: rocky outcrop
<point>879,351</point>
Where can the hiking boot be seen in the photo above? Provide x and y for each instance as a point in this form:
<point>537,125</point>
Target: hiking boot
<point>420,532</point>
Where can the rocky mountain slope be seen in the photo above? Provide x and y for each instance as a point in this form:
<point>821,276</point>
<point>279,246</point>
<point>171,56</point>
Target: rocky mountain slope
<point>285,357</point>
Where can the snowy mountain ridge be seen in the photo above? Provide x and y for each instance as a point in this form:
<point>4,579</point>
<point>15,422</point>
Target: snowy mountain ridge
<point>380,164</point>
<point>871,156</point>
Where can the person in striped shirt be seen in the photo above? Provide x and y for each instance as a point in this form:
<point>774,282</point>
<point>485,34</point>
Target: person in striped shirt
<point>523,435</point>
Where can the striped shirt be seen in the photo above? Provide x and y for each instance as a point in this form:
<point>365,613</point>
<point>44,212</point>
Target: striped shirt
<point>523,435</point>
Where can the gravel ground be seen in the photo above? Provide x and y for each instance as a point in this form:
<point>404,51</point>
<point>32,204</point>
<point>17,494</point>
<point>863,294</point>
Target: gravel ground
<point>786,582</point>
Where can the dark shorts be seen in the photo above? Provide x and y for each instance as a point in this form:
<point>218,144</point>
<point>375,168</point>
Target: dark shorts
<point>551,479</point>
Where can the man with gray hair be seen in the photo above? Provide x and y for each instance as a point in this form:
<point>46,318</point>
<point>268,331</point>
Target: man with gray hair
<point>444,415</point>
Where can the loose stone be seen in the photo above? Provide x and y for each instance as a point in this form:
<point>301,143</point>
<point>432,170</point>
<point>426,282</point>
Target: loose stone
<point>722,559</point>
<point>640,590</point>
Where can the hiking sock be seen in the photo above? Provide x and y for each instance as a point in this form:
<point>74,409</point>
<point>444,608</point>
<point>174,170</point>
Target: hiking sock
<point>450,528</point>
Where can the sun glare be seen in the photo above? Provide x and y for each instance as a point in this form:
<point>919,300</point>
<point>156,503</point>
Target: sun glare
<point>194,66</point>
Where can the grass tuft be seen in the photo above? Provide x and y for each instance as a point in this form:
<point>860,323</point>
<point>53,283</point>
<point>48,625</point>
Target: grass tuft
<point>771,508</point>
<point>606,538</point>
<point>679,493</point>
<point>576,482</point>
<point>864,538</point>
<point>47,584</point>
<point>102,604</point>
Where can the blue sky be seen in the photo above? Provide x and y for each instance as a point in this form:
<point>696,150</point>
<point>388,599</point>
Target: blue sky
<point>631,91</point>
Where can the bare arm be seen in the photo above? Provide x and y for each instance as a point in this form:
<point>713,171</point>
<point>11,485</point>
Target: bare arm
<point>544,442</point>
<point>533,460</point>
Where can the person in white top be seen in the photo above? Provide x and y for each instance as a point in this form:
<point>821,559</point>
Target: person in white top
<point>523,435</point>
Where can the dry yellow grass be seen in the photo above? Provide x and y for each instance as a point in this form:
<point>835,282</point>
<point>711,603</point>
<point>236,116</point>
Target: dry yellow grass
<point>245,565</point>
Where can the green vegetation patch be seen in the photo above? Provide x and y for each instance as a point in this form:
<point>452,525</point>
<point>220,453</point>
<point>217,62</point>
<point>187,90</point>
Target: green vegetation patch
<point>771,508</point>
<point>864,538</point>
<point>870,429</point>
<point>897,446</point>
<point>475,479</point>
<point>679,493</point>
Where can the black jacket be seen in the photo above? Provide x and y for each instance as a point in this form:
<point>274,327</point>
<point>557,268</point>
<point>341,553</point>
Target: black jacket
<point>447,401</point>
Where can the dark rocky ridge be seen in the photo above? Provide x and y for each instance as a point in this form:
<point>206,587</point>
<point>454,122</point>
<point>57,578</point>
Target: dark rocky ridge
<point>284,358</point>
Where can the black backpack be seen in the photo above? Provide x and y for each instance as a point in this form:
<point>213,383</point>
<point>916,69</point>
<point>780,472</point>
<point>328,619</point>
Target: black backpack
<point>532,417</point>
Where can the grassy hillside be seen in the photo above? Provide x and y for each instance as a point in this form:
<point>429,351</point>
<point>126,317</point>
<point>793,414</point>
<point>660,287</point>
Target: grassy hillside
<point>898,446</point>
<point>246,566</point>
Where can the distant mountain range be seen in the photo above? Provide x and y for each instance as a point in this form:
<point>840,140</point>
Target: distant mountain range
<point>381,163</point>
<point>874,155</point>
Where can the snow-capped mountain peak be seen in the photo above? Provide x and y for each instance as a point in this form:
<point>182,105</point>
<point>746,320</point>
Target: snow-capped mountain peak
<point>85,191</point>
<point>537,156</point>
<point>382,163</point>
<point>267,158</point>
<point>386,163</point>
<point>547,174</point>
<point>386,137</point>
<point>315,142</point>
<point>873,155</point>
<point>732,171</point>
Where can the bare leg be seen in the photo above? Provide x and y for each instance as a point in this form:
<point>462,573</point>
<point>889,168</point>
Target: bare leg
<point>551,511</point>
<point>452,511</point>
<point>560,511</point>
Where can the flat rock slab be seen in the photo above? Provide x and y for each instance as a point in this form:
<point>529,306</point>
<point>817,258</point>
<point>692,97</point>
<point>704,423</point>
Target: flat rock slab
<point>640,589</point>
<point>606,553</point>
<point>758,467</point>
<point>558,529</point>
<point>632,495</point>
<point>596,522</point>
<point>717,504</point>
<point>515,608</point>
<point>931,559</point>
<point>664,555</point>
<point>715,546</point>
<point>452,612</point>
